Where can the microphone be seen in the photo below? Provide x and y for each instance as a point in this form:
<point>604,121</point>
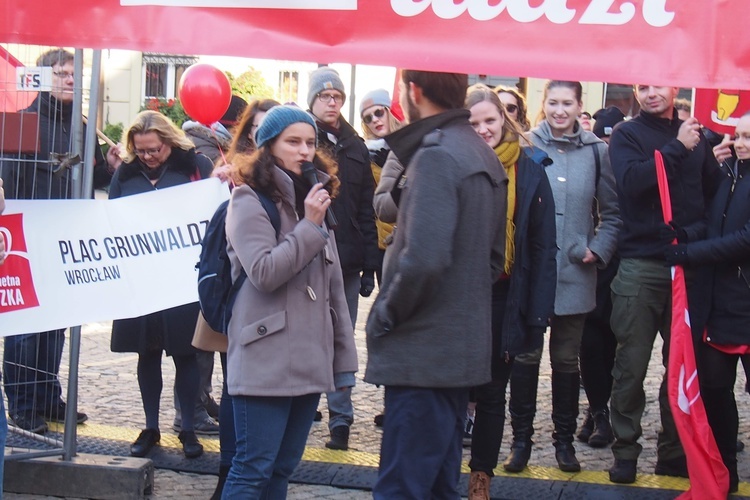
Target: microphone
<point>309,172</point>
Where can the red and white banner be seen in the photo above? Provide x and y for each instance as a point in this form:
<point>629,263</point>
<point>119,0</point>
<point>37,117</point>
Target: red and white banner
<point>720,110</point>
<point>688,43</point>
<point>709,477</point>
<point>72,262</point>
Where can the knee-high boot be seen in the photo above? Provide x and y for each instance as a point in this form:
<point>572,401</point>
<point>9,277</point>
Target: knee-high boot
<point>721,411</point>
<point>523,386</point>
<point>565,390</point>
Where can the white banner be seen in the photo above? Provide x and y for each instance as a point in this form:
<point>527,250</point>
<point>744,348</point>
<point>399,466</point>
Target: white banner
<point>77,261</point>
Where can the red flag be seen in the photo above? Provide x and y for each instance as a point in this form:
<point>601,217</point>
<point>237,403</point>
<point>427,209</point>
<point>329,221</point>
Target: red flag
<point>396,101</point>
<point>720,110</point>
<point>709,478</point>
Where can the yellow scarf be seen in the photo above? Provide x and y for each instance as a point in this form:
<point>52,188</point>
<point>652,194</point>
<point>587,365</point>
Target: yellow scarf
<point>508,151</point>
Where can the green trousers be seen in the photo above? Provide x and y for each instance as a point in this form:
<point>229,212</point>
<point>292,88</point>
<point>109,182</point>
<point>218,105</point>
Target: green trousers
<point>641,308</point>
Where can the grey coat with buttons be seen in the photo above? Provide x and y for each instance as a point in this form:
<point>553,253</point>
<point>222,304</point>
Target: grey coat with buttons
<point>574,182</point>
<point>290,332</point>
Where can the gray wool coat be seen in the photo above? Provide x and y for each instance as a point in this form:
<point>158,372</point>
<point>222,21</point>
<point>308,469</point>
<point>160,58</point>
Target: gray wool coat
<point>290,332</point>
<point>573,179</point>
<point>430,325</point>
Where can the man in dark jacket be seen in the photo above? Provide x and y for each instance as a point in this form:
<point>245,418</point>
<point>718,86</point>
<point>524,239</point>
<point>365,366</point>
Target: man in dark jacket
<point>641,290</point>
<point>31,362</point>
<point>429,332</point>
<point>356,234</point>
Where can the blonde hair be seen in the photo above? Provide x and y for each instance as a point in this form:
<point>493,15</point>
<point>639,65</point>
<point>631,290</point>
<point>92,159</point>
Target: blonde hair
<point>393,125</point>
<point>153,121</point>
<point>480,92</point>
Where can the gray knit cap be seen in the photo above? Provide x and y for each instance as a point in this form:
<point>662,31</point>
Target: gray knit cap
<point>377,97</point>
<point>278,118</point>
<point>324,78</point>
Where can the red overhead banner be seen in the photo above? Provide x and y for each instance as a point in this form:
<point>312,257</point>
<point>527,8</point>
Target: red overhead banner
<point>690,43</point>
<point>721,109</point>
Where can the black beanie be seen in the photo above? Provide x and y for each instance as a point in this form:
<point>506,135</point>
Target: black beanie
<point>606,119</point>
<point>232,115</point>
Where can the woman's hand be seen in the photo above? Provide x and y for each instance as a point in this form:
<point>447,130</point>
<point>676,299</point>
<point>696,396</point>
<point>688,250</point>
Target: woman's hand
<point>590,257</point>
<point>723,151</point>
<point>316,203</point>
<point>222,172</point>
<point>113,157</point>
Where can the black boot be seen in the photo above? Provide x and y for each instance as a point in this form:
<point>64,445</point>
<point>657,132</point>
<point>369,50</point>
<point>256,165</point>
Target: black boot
<point>587,428</point>
<point>565,391</point>
<point>339,438</point>
<point>602,435</point>
<point>523,384</point>
<point>223,472</point>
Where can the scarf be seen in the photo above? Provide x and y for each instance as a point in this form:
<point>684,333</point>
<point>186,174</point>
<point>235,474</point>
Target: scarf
<point>301,188</point>
<point>508,152</point>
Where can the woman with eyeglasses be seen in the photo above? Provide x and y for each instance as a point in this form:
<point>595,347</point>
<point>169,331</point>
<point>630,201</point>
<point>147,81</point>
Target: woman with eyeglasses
<point>523,296</point>
<point>582,182</point>
<point>515,105</point>
<point>377,122</point>
<point>158,155</point>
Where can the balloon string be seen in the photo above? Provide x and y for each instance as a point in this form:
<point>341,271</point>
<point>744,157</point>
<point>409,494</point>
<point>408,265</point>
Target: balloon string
<point>221,151</point>
<point>218,142</point>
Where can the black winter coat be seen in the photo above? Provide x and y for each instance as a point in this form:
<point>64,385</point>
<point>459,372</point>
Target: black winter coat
<point>725,305</point>
<point>356,234</point>
<point>693,178</point>
<point>171,329</point>
<point>531,297</point>
<point>31,177</point>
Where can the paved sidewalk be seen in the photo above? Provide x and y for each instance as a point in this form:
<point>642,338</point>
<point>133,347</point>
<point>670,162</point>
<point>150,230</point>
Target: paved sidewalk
<point>109,395</point>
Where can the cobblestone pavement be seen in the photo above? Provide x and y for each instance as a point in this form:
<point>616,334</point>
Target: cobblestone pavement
<point>109,395</point>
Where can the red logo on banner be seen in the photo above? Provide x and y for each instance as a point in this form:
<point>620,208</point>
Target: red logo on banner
<point>16,284</point>
<point>720,110</point>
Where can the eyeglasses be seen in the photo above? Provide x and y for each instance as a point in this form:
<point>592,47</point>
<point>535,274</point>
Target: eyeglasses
<point>511,108</point>
<point>326,98</point>
<point>150,152</point>
<point>378,113</point>
<point>63,75</point>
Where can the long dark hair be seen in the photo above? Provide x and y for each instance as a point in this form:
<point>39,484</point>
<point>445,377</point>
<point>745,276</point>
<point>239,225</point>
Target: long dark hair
<point>241,141</point>
<point>523,119</point>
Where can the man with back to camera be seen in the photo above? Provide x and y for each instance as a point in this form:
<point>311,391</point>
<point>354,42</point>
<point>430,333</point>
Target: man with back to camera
<point>641,290</point>
<point>31,362</point>
<point>356,234</point>
<point>429,330</point>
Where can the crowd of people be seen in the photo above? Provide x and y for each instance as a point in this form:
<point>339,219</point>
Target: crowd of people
<point>486,236</point>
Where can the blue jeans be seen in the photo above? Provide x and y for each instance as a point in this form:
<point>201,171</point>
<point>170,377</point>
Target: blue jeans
<point>31,363</point>
<point>227,436</point>
<point>340,408</point>
<point>271,437</point>
<point>420,454</point>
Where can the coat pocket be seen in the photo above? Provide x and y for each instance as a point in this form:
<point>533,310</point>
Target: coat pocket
<point>263,328</point>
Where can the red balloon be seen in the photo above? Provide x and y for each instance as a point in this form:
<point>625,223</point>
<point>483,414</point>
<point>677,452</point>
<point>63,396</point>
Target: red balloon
<point>205,93</point>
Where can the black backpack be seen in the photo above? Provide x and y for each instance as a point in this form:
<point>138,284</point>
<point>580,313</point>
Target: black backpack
<point>216,291</point>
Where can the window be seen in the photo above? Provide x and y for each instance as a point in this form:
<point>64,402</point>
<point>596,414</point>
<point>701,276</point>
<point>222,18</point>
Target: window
<point>288,84</point>
<point>622,96</point>
<point>162,72</point>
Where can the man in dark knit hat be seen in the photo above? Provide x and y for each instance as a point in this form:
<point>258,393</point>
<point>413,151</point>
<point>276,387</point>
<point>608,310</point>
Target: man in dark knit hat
<point>356,234</point>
